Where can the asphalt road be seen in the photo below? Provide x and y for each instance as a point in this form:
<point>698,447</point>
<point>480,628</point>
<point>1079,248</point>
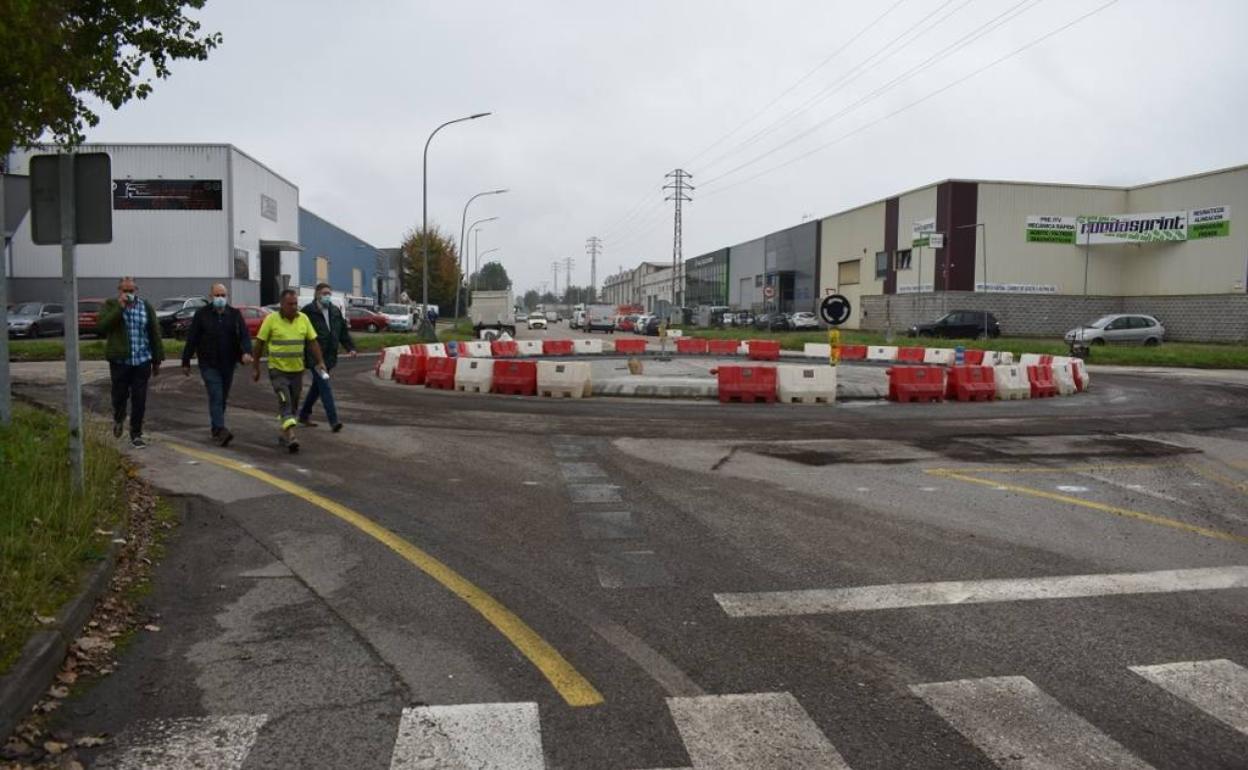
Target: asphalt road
<point>649,584</point>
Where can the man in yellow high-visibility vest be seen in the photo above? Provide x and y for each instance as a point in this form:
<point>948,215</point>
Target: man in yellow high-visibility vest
<point>284,335</point>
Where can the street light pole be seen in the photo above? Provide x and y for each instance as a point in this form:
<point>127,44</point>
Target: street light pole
<point>424,212</point>
<point>464,218</point>
<point>471,228</point>
<point>476,273</point>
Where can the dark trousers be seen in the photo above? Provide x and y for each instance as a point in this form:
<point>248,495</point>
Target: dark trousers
<point>130,385</point>
<point>217,382</point>
<point>320,389</point>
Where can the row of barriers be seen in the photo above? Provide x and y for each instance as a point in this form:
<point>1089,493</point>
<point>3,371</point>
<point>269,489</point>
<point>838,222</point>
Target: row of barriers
<point>987,383</point>
<point>555,379</point>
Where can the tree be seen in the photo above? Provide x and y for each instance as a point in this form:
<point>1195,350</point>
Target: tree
<point>493,277</point>
<point>549,298</point>
<point>531,298</point>
<point>575,295</point>
<point>444,275</point>
<point>57,55</point>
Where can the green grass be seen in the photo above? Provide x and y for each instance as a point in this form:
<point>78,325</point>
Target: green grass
<point>47,532</point>
<point>1181,354</point>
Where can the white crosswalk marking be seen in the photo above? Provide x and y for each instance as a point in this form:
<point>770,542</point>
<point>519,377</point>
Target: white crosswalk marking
<point>220,743</point>
<point>751,732</point>
<point>486,736</point>
<point>1021,727</point>
<point>1217,687</point>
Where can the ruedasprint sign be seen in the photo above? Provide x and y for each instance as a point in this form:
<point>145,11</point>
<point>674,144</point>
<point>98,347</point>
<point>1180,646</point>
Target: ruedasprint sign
<point>1099,230</point>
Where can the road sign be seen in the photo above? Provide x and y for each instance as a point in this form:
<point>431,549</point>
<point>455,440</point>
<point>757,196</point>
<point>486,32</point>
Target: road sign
<point>769,292</point>
<point>936,241</point>
<point>835,310</point>
<point>92,194</point>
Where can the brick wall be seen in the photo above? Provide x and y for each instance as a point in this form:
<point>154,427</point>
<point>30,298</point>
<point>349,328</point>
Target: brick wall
<point>1194,318</point>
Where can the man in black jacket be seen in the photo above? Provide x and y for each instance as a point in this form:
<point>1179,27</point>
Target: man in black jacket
<point>218,337</point>
<point>332,330</point>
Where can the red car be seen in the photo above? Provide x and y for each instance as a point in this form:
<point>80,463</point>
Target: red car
<point>253,316</point>
<point>88,314</point>
<point>364,319</point>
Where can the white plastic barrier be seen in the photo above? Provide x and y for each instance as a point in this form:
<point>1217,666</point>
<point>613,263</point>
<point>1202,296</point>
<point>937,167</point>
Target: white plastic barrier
<point>563,378</point>
<point>817,350</point>
<point>940,356</point>
<point>882,353</point>
<point>1064,376</point>
<point>675,333</point>
<point>1036,359</point>
<point>476,349</point>
<point>1081,371</point>
<point>530,347</point>
<point>997,358</point>
<point>389,359</point>
<point>806,384</point>
<point>474,375</point>
<point>587,346</point>
<point>743,349</point>
<point>1011,382</point>
<point>435,350</point>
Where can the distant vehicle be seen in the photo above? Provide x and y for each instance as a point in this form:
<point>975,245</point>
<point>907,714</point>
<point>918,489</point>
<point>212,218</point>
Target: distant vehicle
<point>362,319</point>
<point>639,323</point>
<point>169,306</point>
<point>537,321</point>
<point>600,318</point>
<point>37,319</point>
<point>651,326</point>
<point>803,321</point>
<point>1120,330</point>
<point>88,315</point>
<point>625,323</point>
<point>493,310</point>
<point>744,318</point>
<point>398,317</point>
<point>960,324</point>
<point>178,324</point>
<point>253,316</point>
<point>775,322</point>
<point>552,316</point>
<point>578,319</point>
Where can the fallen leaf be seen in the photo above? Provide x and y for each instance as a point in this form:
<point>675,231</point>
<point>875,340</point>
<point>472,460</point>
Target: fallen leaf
<point>67,677</point>
<point>44,620</point>
<point>91,741</point>
<point>54,747</point>
<point>151,627</point>
<point>59,692</point>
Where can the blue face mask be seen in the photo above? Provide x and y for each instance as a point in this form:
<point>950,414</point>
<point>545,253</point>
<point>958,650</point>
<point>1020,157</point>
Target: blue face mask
<point>326,299</point>
<point>219,302</point>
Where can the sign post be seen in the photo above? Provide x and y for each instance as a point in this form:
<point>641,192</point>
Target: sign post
<point>834,346</point>
<point>69,287</point>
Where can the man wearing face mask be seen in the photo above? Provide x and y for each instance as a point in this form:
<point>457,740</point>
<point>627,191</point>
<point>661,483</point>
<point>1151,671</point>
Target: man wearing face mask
<point>218,338</point>
<point>134,351</point>
<point>332,330</point>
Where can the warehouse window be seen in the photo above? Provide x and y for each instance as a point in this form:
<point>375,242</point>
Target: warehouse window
<point>357,282</point>
<point>903,259</point>
<point>322,269</point>
<point>847,272</point>
<point>758,281</point>
<point>881,264</point>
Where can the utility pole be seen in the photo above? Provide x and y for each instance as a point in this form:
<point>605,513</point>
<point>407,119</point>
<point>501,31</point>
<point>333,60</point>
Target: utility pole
<point>679,187</point>
<point>554,267</point>
<point>568,262</point>
<point>594,247</point>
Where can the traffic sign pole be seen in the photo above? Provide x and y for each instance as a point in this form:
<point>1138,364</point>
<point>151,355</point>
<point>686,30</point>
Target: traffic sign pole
<point>834,346</point>
<point>69,283</point>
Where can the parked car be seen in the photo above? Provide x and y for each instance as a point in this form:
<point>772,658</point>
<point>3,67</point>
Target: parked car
<point>537,321</point>
<point>178,324</point>
<point>804,321</point>
<point>398,317</point>
<point>625,323</point>
<point>363,319</point>
<point>171,305</point>
<point>253,316</point>
<point>960,324</point>
<point>89,315</point>
<point>639,322</point>
<point>651,326</point>
<point>776,322</point>
<point>37,319</point>
<point>1120,330</point>
<point>744,318</point>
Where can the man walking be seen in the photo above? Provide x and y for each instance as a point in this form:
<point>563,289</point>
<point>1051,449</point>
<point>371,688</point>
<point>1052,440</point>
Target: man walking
<point>331,330</point>
<point>218,338</point>
<point>284,334</point>
<point>134,351</point>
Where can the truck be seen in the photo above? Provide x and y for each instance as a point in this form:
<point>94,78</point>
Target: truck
<point>492,310</point>
<point>600,317</point>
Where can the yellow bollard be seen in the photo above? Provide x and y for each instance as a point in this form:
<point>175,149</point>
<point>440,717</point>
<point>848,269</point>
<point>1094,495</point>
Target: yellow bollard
<point>834,345</point>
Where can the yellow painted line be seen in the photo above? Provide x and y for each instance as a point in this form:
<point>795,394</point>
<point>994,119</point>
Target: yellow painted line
<point>575,689</point>
<point>1216,477</point>
<point>1067,469</point>
<point>1128,513</point>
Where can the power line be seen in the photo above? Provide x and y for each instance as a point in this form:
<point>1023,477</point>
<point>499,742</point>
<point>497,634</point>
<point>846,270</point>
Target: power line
<point>917,102</point>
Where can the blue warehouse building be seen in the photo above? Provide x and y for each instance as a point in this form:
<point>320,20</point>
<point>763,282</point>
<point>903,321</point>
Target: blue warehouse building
<point>332,255</point>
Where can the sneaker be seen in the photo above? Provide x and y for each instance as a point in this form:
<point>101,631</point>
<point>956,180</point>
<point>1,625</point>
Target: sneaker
<point>138,442</point>
<point>337,427</point>
<point>118,427</point>
<point>292,446</point>
<point>306,422</point>
<point>224,437</point>
<point>216,432</point>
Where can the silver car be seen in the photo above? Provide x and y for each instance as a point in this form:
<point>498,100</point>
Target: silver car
<point>1120,329</point>
<point>36,319</point>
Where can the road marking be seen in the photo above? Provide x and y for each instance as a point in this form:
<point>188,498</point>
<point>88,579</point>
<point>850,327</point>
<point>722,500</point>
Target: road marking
<point>575,689</point>
<point>595,493</point>
<point>1018,725</point>
<point>765,731</point>
<point>1070,488</point>
<point>167,744</point>
<point>900,595</point>
<point>487,736</point>
<point>609,525</point>
<point>1128,513</point>
<point>1217,687</point>
<point>578,471</point>
<point>1062,469</point>
<point>1217,478</point>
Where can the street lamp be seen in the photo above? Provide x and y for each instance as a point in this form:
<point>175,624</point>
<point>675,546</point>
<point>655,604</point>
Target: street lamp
<point>424,210</point>
<point>472,227</point>
<point>981,224</point>
<point>464,218</point>
<point>477,270</point>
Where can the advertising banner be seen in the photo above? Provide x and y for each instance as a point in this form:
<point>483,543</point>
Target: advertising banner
<point>167,194</point>
<point>1099,230</point>
<point>921,232</point>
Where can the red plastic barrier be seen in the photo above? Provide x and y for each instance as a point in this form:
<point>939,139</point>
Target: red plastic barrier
<point>440,373</point>
<point>411,369</point>
<point>973,357</point>
<point>747,384</point>
<point>853,352</point>
<point>556,347</point>
<point>916,383</point>
<point>971,383</point>
<point>911,355</point>
<point>505,348</point>
<point>723,347</point>
<point>763,350</point>
<point>1041,379</point>
<point>1080,385</point>
<point>630,347</point>
<point>515,378</point>
<point>693,345</point>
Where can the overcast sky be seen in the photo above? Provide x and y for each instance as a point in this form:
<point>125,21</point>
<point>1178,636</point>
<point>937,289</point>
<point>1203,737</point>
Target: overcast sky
<point>595,101</point>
